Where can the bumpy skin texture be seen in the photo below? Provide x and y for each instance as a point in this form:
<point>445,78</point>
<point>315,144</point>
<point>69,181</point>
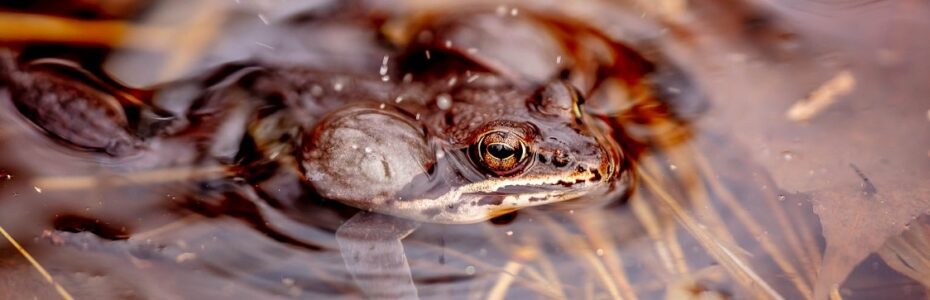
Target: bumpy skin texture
<point>72,111</point>
<point>434,111</point>
<point>365,146</point>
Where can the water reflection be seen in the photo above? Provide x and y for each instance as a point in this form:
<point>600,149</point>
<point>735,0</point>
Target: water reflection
<point>736,199</point>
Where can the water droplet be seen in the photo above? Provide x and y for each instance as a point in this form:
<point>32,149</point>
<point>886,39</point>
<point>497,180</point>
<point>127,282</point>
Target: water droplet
<point>417,116</point>
<point>38,189</point>
<point>600,252</point>
<point>453,81</point>
<point>408,78</point>
<point>287,281</point>
<point>381,106</point>
<point>367,150</point>
<point>509,232</point>
<point>672,167</point>
<point>263,18</point>
<point>399,99</point>
<point>316,90</point>
<point>514,12</point>
<point>471,50</point>
<point>787,155</point>
<point>472,78</point>
<point>384,65</point>
<point>444,101</point>
<point>470,270</point>
<point>186,256</point>
<point>440,154</point>
<point>501,10</point>
<point>428,56</point>
<point>354,147</point>
<point>558,59</point>
<point>782,197</point>
<point>337,86</point>
<point>448,44</point>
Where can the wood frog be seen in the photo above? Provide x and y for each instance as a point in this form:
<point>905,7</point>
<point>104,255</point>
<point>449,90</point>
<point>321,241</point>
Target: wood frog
<point>471,116</point>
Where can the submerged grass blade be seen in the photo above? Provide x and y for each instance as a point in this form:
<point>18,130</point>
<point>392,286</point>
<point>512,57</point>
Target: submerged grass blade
<point>35,264</point>
<point>740,271</point>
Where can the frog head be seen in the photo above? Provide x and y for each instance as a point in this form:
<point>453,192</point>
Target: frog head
<point>495,150</point>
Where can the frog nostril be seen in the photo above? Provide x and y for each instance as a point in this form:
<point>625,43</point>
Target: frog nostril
<point>560,159</point>
<point>542,158</point>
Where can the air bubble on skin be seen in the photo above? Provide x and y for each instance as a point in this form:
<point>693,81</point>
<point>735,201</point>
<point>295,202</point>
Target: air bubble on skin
<point>501,10</point>
<point>444,101</point>
<point>787,155</point>
<point>782,197</point>
<point>470,270</point>
<point>384,65</point>
<point>509,232</point>
<point>316,90</point>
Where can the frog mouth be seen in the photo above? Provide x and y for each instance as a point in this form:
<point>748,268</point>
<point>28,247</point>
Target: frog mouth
<point>479,201</point>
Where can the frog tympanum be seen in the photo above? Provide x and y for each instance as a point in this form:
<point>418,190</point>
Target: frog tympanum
<point>464,123</point>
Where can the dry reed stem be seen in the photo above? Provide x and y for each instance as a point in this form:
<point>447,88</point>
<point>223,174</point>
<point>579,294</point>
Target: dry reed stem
<point>598,240</point>
<point>206,22</point>
<point>668,233</point>
<point>754,227</point>
<point>35,264</point>
<point>822,97</point>
<point>578,245</point>
<point>644,214</point>
<point>154,232</point>
<point>697,192</point>
<point>21,27</point>
<point>738,269</point>
<point>499,291</point>
<point>809,243</point>
<point>65,183</point>
<point>540,287</point>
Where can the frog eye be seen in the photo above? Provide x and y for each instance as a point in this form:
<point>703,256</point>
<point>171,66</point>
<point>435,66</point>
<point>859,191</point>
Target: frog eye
<point>500,152</point>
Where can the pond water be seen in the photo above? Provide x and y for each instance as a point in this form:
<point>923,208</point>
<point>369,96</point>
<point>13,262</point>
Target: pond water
<point>782,151</point>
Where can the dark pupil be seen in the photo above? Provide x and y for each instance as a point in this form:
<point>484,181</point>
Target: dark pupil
<point>501,151</point>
